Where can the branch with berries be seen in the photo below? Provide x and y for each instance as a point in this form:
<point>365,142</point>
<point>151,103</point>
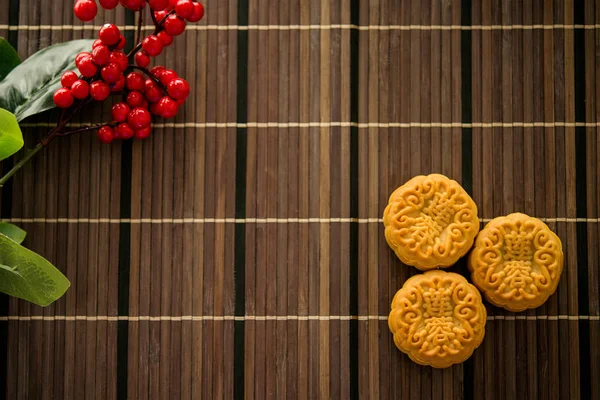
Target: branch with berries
<point>71,76</point>
<point>107,70</point>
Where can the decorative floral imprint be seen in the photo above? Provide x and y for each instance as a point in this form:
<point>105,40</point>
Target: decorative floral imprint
<point>517,262</point>
<point>430,222</point>
<point>437,318</point>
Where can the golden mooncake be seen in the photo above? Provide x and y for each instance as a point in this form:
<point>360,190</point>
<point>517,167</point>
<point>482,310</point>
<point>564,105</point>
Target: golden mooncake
<point>516,262</point>
<point>430,222</point>
<point>437,319</point>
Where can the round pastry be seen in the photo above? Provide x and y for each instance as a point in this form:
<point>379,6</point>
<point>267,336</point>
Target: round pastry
<point>516,262</point>
<point>437,319</point>
<point>430,222</point>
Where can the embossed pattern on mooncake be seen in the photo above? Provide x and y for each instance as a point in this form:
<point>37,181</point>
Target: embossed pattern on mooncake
<point>437,319</point>
<point>430,222</point>
<point>516,262</point>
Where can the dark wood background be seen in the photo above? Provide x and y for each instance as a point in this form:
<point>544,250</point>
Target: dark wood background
<point>239,252</point>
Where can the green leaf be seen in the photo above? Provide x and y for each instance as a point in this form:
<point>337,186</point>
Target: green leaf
<point>29,88</point>
<point>13,232</point>
<point>9,58</point>
<point>27,275</point>
<point>11,138</point>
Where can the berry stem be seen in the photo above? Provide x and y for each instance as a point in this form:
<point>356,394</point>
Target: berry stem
<point>139,27</point>
<point>159,27</point>
<point>30,153</point>
<point>86,129</point>
<point>147,72</point>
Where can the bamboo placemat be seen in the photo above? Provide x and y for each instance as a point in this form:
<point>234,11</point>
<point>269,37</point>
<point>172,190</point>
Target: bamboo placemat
<point>239,252</point>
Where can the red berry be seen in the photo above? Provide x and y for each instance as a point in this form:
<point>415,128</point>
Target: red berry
<point>80,89</point>
<point>108,4</point>
<point>152,45</point>
<point>118,85</point>
<point>165,38</point>
<point>111,73</point>
<point>119,58</point>
<point>85,10</point>
<point>184,8</point>
<point>124,131</point>
<point>158,5</point>
<point>142,59</point>
<point>133,5</point>
<point>178,89</point>
<point>68,78</point>
<point>197,14</point>
<point>135,99</point>
<point>167,76</point>
<point>159,15</point>
<point>99,90</point>
<point>153,92</point>
<point>138,118</point>
<point>167,107</point>
<point>101,55</point>
<point>81,56</point>
<point>121,44</point>
<point>97,43</point>
<point>106,134</point>
<point>135,81</point>
<point>87,67</point>
<point>110,34</point>
<point>174,25</point>
<point>120,111</point>
<point>157,71</point>
<point>63,98</point>
<point>172,4</point>
<point>143,133</point>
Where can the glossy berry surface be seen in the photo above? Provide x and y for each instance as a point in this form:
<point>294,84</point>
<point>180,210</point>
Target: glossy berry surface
<point>143,133</point>
<point>101,55</point>
<point>184,8</point>
<point>121,44</point>
<point>157,71</point>
<point>178,89</point>
<point>80,89</point>
<point>118,85</point>
<point>85,10</point>
<point>124,131</point>
<point>165,38</point>
<point>198,13</point>
<point>167,107</point>
<point>153,92</point>
<point>167,76</point>
<point>138,118</point>
<point>81,56</point>
<point>135,99</point>
<point>68,78</point>
<point>97,43</point>
<point>135,81</point>
<point>110,34</point>
<point>108,4</point>
<point>133,5</point>
<point>106,134</point>
<point>63,98</point>
<point>120,111</point>
<point>86,66</point>
<point>119,58</point>
<point>142,59</point>
<point>158,5</point>
<point>111,73</point>
<point>99,91</point>
<point>174,25</point>
<point>152,45</point>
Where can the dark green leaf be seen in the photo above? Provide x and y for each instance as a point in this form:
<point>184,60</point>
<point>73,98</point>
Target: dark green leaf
<point>11,138</point>
<point>8,58</point>
<point>27,275</point>
<point>13,232</point>
<point>29,88</point>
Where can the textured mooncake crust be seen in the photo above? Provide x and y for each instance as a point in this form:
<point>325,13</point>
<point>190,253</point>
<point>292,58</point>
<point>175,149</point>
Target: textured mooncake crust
<point>437,319</point>
<point>517,262</point>
<point>430,222</point>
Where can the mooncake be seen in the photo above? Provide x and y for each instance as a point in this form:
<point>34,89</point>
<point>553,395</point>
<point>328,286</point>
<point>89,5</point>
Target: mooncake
<point>437,319</point>
<point>430,222</point>
<point>516,262</point>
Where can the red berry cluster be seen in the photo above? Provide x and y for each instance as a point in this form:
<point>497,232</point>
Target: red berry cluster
<point>159,91</point>
<point>86,10</point>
